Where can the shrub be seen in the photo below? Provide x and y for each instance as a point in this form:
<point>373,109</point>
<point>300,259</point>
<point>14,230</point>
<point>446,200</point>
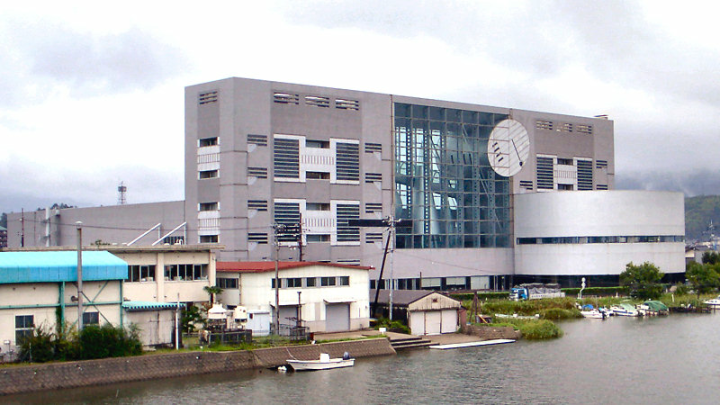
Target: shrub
<point>392,326</point>
<point>97,342</point>
<point>558,313</point>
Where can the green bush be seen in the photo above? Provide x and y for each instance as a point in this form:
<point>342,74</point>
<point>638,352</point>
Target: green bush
<point>597,291</point>
<point>558,313</point>
<point>392,326</point>
<point>542,329</point>
<point>94,342</point>
<point>98,342</point>
<point>482,296</point>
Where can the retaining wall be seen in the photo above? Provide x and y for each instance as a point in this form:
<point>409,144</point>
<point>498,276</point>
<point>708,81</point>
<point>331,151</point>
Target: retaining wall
<point>36,377</point>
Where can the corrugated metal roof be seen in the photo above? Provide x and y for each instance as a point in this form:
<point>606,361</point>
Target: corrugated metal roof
<point>149,305</point>
<point>261,267</point>
<point>52,267</point>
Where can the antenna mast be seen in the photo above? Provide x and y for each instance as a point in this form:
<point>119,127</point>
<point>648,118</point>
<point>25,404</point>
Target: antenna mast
<point>122,190</point>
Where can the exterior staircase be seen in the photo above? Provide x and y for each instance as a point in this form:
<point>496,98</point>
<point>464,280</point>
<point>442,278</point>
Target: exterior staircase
<point>410,342</point>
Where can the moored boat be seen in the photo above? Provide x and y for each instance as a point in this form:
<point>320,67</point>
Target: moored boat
<point>714,303</point>
<point>624,310</point>
<point>325,363</point>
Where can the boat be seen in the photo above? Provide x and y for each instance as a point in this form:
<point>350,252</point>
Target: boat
<point>325,363</point>
<point>590,312</point>
<point>655,308</point>
<point>624,310</point>
<point>714,303</point>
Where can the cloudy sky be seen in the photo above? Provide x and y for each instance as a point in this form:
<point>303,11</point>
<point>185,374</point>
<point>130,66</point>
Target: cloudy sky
<point>92,95</point>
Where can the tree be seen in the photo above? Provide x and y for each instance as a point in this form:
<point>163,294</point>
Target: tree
<point>703,277</point>
<point>710,257</point>
<point>213,291</point>
<point>643,280</point>
<point>190,317</point>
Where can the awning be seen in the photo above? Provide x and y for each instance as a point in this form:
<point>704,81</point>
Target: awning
<point>54,267</point>
<point>135,306</point>
<point>338,301</point>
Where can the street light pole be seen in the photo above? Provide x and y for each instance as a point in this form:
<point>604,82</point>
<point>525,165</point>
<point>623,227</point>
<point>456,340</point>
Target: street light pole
<point>79,275</point>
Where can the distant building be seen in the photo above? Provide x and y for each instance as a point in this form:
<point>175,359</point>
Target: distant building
<point>3,237</point>
<point>465,176</point>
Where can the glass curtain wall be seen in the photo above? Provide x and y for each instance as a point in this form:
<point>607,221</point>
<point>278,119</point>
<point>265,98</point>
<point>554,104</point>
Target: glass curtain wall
<point>444,182</point>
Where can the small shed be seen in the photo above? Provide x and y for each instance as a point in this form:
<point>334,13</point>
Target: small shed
<point>426,312</point>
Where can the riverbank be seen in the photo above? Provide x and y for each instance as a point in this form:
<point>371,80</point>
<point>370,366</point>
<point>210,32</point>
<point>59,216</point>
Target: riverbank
<point>75,374</point>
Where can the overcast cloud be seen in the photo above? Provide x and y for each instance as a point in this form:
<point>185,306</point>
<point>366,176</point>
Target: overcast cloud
<point>91,96</point>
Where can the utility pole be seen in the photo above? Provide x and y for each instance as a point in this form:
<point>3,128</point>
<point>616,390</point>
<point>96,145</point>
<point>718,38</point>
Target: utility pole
<point>278,228</point>
<point>391,222</point>
<point>300,239</point>
<point>22,227</point>
<point>79,276</point>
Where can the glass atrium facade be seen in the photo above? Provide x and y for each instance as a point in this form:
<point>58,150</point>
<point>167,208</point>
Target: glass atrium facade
<point>444,182</point>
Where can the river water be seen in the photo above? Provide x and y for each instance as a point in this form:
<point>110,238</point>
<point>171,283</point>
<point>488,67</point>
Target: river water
<point>663,360</point>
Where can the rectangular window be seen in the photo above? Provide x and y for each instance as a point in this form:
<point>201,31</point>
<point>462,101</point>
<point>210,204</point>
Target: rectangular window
<point>317,144</point>
<point>260,205</point>
<point>294,282</point>
<point>567,162</point>
<point>286,158</point>
<point>208,97</point>
<point>344,280</point>
<point>347,161</point>
<point>310,282</point>
<point>208,174</point>
<point>345,232</point>
<point>207,142</point>
<point>259,140</point>
<point>259,172</point>
<point>260,238</point>
<point>227,283</point>
<point>373,177</point>
<point>24,325</point>
<point>327,281</point>
<point>373,147</point>
<point>285,98</point>
<point>208,239</point>
<point>545,173</point>
<point>565,187</point>
<point>317,238</point>
<point>91,318</point>
<point>344,104</point>
<point>141,273</point>
<point>287,214</point>
<point>317,207</point>
<point>317,175</point>
<point>373,207</point>
<point>585,174</point>
<point>208,206</point>
<point>317,101</point>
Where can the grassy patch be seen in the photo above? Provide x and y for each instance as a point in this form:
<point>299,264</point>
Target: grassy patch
<point>532,329</point>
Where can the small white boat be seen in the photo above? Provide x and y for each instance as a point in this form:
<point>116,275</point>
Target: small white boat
<point>325,363</point>
<point>624,310</point>
<point>715,302</point>
<point>593,314</point>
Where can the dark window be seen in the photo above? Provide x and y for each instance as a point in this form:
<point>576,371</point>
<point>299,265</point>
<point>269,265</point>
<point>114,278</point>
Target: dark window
<point>207,142</point>
<point>294,282</point>
<point>208,239</point>
<point>310,282</point>
<point>545,173</point>
<point>208,174</point>
<point>317,144</point>
<point>327,281</point>
<point>24,325</point>
<point>208,206</point>
<point>317,175</point>
<point>344,280</point>
<point>91,318</point>
<point>585,174</point>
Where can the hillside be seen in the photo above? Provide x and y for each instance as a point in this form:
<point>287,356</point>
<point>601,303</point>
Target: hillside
<point>698,213</point>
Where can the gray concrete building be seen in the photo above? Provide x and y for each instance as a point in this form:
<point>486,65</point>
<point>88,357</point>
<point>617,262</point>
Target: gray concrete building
<point>260,153</point>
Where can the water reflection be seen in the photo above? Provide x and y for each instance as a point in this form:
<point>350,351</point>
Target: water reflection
<point>619,360</point>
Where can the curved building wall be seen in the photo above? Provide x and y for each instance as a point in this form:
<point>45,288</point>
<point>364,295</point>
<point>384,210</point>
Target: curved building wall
<point>598,232</point>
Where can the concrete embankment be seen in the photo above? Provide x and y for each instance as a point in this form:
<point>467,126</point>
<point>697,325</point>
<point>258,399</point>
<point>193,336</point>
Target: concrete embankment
<point>36,377</point>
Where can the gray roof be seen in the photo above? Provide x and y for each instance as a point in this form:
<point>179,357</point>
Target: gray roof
<point>400,297</point>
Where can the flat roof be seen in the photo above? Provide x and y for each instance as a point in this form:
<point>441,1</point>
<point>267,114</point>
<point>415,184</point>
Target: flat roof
<point>202,247</point>
<point>53,267</point>
<point>261,267</point>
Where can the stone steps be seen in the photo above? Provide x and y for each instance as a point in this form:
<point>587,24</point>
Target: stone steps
<point>410,343</point>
